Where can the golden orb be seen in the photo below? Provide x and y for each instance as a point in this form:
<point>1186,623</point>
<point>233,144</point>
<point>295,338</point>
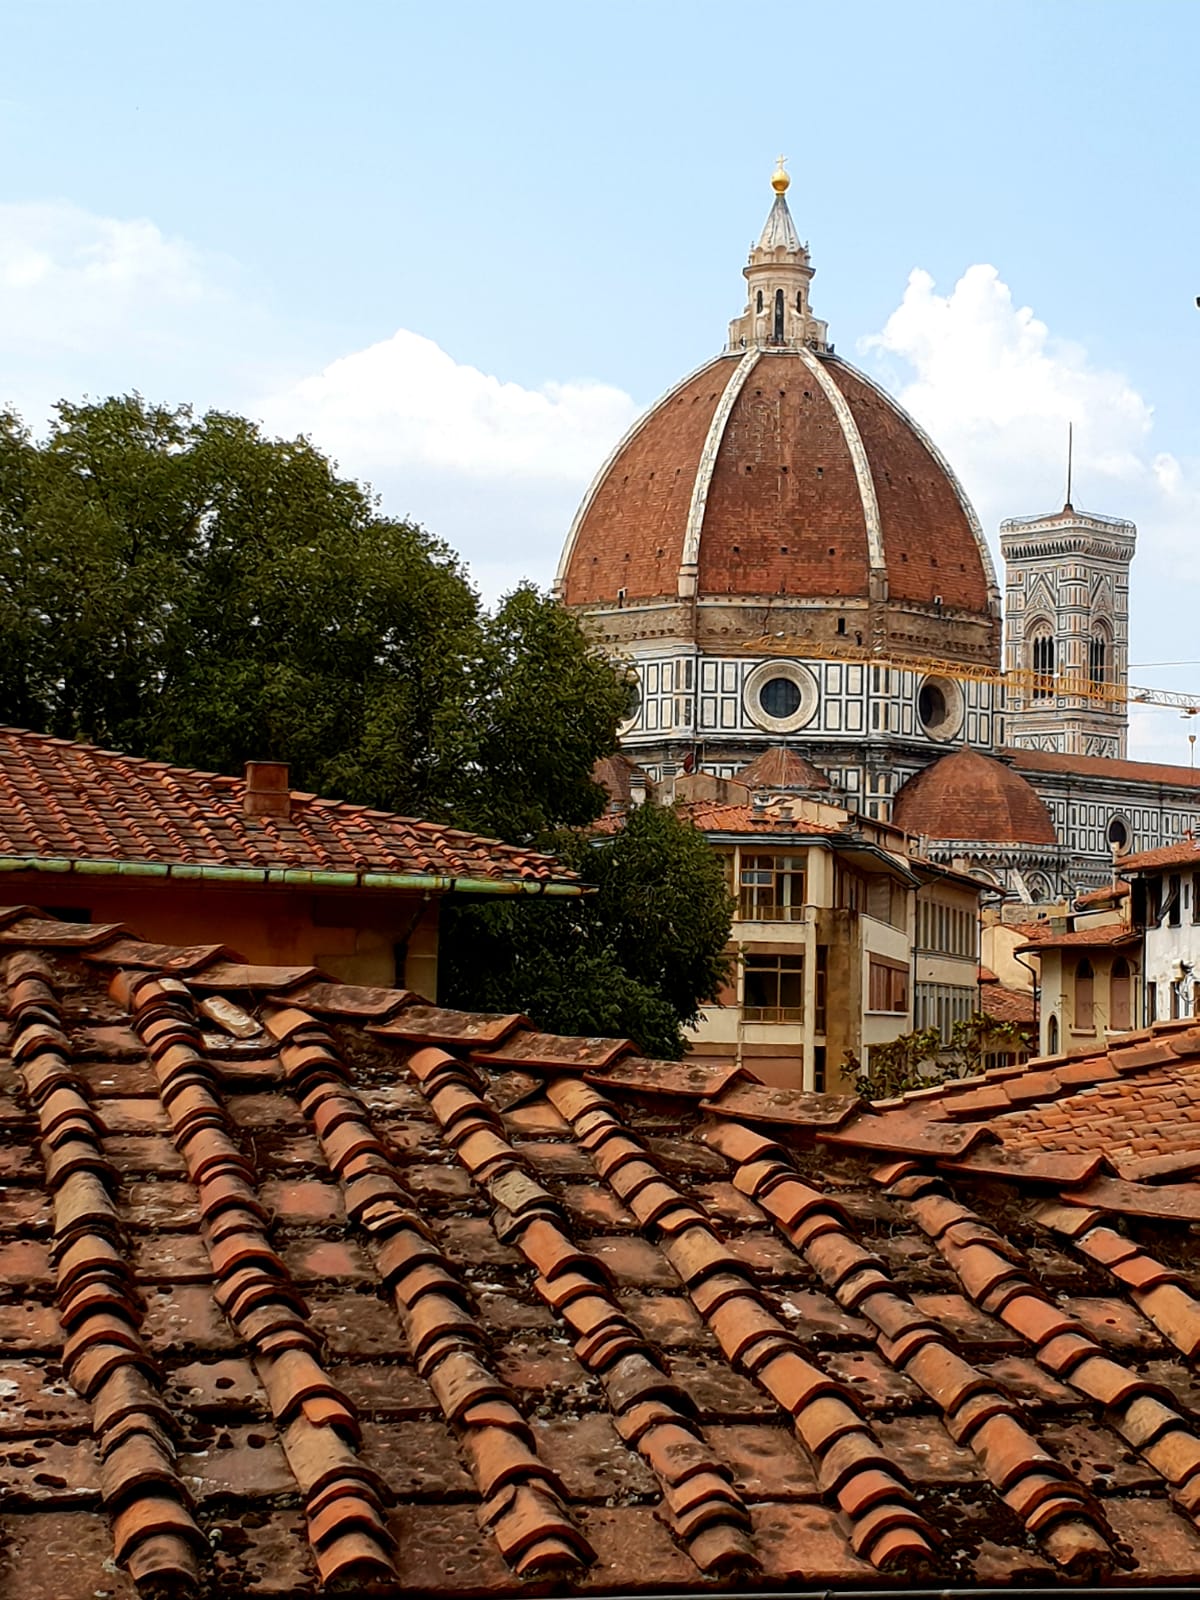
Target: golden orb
<point>779,178</point>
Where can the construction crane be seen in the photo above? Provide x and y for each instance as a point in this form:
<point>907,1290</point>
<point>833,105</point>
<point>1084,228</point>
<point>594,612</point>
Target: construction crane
<point>1022,681</point>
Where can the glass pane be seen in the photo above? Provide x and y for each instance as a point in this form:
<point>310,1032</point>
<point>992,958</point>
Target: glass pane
<point>779,697</point>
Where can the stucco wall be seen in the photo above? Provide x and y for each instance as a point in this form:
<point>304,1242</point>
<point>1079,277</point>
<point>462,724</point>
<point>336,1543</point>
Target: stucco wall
<point>353,936</point>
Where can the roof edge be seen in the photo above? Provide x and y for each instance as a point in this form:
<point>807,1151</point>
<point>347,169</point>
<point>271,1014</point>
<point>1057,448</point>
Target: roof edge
<point>296,877</point>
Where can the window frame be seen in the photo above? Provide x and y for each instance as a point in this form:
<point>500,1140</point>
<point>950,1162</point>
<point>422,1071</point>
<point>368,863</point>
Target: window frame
<point>787,964</point>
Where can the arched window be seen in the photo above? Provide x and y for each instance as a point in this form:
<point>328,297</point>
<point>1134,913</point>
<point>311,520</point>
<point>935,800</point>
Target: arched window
<point>1120,1007</point>
<point>799,300</point>
<point>778,334</point>
<point>1085,995</point>
<point>1052,1037</point>
<point>1098,656</point>
<point>1042,661</point>
<point>760,300</point>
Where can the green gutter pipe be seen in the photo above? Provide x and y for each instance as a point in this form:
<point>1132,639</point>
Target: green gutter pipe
<point>294,877</point>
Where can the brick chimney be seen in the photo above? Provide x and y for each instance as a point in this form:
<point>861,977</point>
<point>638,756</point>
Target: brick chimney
<point>268,791</point>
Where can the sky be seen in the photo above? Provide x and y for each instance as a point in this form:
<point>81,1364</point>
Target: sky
<point>462,248</point>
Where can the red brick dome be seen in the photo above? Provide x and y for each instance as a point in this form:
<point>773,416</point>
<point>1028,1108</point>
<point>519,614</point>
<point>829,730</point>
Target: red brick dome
<point>970,796</point>
<point>772,473</point>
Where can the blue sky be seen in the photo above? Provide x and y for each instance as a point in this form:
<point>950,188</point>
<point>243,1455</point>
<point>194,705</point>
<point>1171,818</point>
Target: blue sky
<point>463,245</point>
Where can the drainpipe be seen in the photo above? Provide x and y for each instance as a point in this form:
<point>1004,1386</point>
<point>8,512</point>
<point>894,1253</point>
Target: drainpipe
<point>1037,1010</point>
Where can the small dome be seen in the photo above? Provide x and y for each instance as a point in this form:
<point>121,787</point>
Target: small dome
<point>970,796</point>
<point>781,768</point>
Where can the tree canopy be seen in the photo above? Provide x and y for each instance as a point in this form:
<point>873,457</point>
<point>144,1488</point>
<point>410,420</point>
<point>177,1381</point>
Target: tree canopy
<point>637,958</point>
<point>188,589</point>
<point>183,587</point>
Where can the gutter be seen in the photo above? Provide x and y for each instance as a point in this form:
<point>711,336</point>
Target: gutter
<point>291,877</point>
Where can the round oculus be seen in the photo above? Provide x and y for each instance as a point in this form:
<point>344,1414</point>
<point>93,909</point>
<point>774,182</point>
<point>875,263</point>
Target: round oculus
<point>940,707</point>
<point>780,696</point>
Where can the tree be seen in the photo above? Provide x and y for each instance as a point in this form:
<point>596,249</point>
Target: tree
<point>637,958</point>
<point>922,1060</point>
<point>188,589</point>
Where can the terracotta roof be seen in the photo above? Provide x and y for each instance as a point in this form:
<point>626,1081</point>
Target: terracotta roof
<point>1103,767</point>
<point>712,816</point>
<point>615,773</point>
<point>1114,933</point>
<point>784,511</point>
<point>967,795</point>
<point>308,1286</point>
<point>781,768</point>
<point>1007,1005</point>
<point>1108,894</point>
<point>60,800</point>
<point>1184,853</point>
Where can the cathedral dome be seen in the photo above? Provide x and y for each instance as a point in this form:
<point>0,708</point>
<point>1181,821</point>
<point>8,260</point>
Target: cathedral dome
<point>970,796</point>
<point>777,474</point>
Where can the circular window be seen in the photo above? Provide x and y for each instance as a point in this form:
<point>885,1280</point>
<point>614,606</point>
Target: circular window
<point>1118,833</point>
<point>940,707</point>
<point>780,696</point>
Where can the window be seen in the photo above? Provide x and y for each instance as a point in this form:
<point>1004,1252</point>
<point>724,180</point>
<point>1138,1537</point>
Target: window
<point>850,889</point>
<point>777,335</point>
<point>1052,1036</point>
<point>1151,1002</point>
<point>771,888</point>
<point>1118,833</point>
<point>1196,999</point>
<point>779,697</point>
<point>821,987</point>
<point>1120,995</point>
<point>887,901</point>
<point>888,985</point>
<point>759,302</point>
<point>1085,996</point>
<point>947,930</point>
<point>1098,658</point>
<point>819,1069</point>
<point>941,1005</point>
<point>1171,910</point>
<point>1043,666</point>
<point>773,989</point>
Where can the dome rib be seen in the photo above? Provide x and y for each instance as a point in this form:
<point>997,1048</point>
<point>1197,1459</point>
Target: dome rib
<point>704,472</point>
<point>876,560</point>
<point>910,422</point>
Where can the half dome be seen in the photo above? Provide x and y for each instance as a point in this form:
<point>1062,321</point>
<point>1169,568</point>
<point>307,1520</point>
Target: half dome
<point>969,796</point>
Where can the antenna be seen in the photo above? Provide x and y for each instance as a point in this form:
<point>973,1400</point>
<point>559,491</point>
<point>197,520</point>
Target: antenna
<point>1070,461</point>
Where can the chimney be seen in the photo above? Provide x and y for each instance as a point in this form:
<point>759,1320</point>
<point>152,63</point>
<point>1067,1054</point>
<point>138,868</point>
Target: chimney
<point>268,792</point>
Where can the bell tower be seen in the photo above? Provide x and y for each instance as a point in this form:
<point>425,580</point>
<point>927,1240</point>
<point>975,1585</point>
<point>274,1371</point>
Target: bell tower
<point>777,314</point>
<point>1066,619</point>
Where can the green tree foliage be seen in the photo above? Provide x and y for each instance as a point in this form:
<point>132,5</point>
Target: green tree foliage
<point>637,958</point>
<point>186,588</point>
<point>920,1060</point>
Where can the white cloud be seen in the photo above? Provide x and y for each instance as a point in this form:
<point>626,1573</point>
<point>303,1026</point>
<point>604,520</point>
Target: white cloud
<point>997,389</point>
<point>495,468</point>
<point>102,305</point>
